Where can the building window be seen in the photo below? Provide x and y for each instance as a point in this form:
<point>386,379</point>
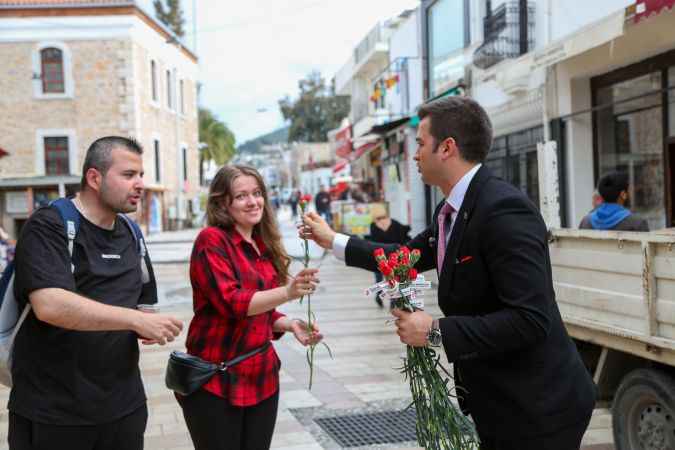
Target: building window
<point>153,81</point>
<point>158,173</point>
<point>169,90</point>
<point>185,166</point>
<point>53,80</point>
<point>629,138</point>
<point>181,93</point>
<point>56,155</point>
<point>447,33</point>
<point>513,157</point>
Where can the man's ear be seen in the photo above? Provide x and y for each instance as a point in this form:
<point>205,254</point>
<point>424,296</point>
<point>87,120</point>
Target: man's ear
<point>449,148</point>
<point>94,179</point>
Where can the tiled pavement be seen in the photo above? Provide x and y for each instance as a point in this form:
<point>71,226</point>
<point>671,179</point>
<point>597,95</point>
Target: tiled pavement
<point>361,375</point>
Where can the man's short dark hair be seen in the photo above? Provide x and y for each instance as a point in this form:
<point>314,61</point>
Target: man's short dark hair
<point>462,119</point>
<point>611,185</point>
<point>99,154</point>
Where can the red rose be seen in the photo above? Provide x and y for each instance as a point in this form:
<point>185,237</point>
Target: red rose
<point>306,198</point>
<point>416,253</point>
<point>412,274</point>
<point>405,259</point>
<point>405,250</point>
<point>392,282</point>
<point>386,270</point>
<point>379,252</point>
<point>393,259</point>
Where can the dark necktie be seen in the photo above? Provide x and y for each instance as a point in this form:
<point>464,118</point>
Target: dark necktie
<point>443,219</point>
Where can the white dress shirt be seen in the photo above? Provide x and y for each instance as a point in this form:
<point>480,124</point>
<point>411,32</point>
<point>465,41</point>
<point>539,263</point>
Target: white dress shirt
<point>455,199</point>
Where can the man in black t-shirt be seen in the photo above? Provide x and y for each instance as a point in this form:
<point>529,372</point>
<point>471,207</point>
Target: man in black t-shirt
<point>76,380</point>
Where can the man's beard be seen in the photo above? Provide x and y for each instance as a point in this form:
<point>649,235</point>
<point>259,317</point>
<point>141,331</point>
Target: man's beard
<point>118,206</point>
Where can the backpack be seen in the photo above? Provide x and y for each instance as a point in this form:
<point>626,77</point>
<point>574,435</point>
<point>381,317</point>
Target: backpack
<point>12,317</point>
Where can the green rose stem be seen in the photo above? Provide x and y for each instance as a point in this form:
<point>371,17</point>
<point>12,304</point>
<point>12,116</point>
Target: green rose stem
<point>440,424</point>
<point>310,315</point>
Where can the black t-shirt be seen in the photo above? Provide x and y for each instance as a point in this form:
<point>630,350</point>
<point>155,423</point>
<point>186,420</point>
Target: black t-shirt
<point>397,233</point>
<point>322,201</point>
<point>65,377</point>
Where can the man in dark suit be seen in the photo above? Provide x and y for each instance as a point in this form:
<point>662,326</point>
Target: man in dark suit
<point>521,377</point>
<point>613,212</point>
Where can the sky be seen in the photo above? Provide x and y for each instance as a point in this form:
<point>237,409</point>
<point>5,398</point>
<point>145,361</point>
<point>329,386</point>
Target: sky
<point>253,53</point>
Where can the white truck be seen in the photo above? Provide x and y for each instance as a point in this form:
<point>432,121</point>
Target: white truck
<point>616,294</point>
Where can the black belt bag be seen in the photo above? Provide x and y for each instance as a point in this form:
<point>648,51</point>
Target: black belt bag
<point>187,373</point>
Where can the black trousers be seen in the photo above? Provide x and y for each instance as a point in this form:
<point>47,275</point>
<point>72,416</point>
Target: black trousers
<point>215,424</point>
<point>568,438</point>
<point>125,433</point>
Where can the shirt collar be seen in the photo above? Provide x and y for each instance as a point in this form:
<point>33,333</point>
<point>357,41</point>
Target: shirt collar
<point>238,239</point>
<point>457,194</point>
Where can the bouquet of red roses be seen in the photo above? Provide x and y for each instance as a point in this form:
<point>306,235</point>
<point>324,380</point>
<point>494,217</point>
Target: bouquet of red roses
<point>440,423</point>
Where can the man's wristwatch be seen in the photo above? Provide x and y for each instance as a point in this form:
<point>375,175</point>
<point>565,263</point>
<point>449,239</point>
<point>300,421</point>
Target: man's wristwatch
<point>434,337</point>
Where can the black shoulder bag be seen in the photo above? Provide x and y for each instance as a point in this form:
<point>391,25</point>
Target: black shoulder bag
<point>187,373</point>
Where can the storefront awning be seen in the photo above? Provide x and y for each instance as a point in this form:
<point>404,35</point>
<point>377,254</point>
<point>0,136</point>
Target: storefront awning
<point>587,38</point>
<point>360,151</point>
<point>389,126</point>
<point>643,9</point>
<point>457,90</point>
<point>49,180</point>
<point>340,165</point>
<point>343,141</point>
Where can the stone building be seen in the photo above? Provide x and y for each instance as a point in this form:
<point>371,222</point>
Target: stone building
<point>78,70</point>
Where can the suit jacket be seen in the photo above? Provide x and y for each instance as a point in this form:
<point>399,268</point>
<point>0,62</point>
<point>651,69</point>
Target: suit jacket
<point>520,374</point>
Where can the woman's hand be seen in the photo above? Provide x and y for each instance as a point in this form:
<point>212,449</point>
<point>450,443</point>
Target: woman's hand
<point>304,283</point>
<point>303,335</point>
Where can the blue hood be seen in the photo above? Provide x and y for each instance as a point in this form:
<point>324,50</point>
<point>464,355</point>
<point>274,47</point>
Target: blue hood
<point>608,215</point>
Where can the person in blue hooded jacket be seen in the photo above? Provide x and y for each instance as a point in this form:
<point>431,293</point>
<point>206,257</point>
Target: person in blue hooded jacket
<point>613,213</point>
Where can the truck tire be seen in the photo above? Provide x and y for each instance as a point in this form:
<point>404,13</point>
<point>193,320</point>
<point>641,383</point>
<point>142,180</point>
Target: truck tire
<point>643,411</point>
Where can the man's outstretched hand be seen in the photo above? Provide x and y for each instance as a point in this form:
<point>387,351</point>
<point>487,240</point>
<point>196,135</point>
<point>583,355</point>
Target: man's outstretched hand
<point>314,227</point>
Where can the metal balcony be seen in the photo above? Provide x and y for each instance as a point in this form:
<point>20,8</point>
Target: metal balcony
<point>509,33</point>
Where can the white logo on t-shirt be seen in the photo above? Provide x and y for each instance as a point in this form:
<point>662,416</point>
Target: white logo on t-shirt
<point>104,256</point>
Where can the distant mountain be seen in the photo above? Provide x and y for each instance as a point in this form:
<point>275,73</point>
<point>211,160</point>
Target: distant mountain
<point>275,137</point>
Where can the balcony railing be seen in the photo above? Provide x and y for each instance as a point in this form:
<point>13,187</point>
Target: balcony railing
<point>368,43</point>
<point>509,33</point>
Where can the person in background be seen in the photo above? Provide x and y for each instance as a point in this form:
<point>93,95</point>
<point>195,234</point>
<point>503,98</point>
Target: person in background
<point>239,275</point>
<point>613,212</point>
<point>293,200</point>
<point>386,230</point>
<point>322,202</point>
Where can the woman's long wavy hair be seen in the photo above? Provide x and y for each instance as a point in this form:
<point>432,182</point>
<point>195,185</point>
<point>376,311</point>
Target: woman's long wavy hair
<point>220,194</point>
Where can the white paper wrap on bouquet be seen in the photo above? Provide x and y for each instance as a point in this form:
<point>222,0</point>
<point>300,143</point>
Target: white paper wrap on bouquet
<point>414,292</point>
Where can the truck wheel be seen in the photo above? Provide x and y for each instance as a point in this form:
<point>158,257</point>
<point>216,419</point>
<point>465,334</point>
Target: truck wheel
<point>643,411</point>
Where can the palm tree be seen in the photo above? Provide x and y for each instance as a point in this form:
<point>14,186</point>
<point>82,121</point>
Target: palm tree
<point>217,142</point>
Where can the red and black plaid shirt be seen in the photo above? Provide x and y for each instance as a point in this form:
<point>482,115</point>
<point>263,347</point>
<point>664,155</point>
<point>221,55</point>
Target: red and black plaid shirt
<point>225,272</point>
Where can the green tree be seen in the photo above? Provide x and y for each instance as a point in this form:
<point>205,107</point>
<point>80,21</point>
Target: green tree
<point>316,111</point>
<point>217,142</point>
<point>172,16</point>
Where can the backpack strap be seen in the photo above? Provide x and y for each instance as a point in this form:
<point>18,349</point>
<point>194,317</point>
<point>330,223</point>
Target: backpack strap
<point>71,220</point>
<point>140,246</point>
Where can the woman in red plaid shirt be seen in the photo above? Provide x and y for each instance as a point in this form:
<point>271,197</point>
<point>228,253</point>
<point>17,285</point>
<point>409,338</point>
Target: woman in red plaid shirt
<point>239,275</point>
